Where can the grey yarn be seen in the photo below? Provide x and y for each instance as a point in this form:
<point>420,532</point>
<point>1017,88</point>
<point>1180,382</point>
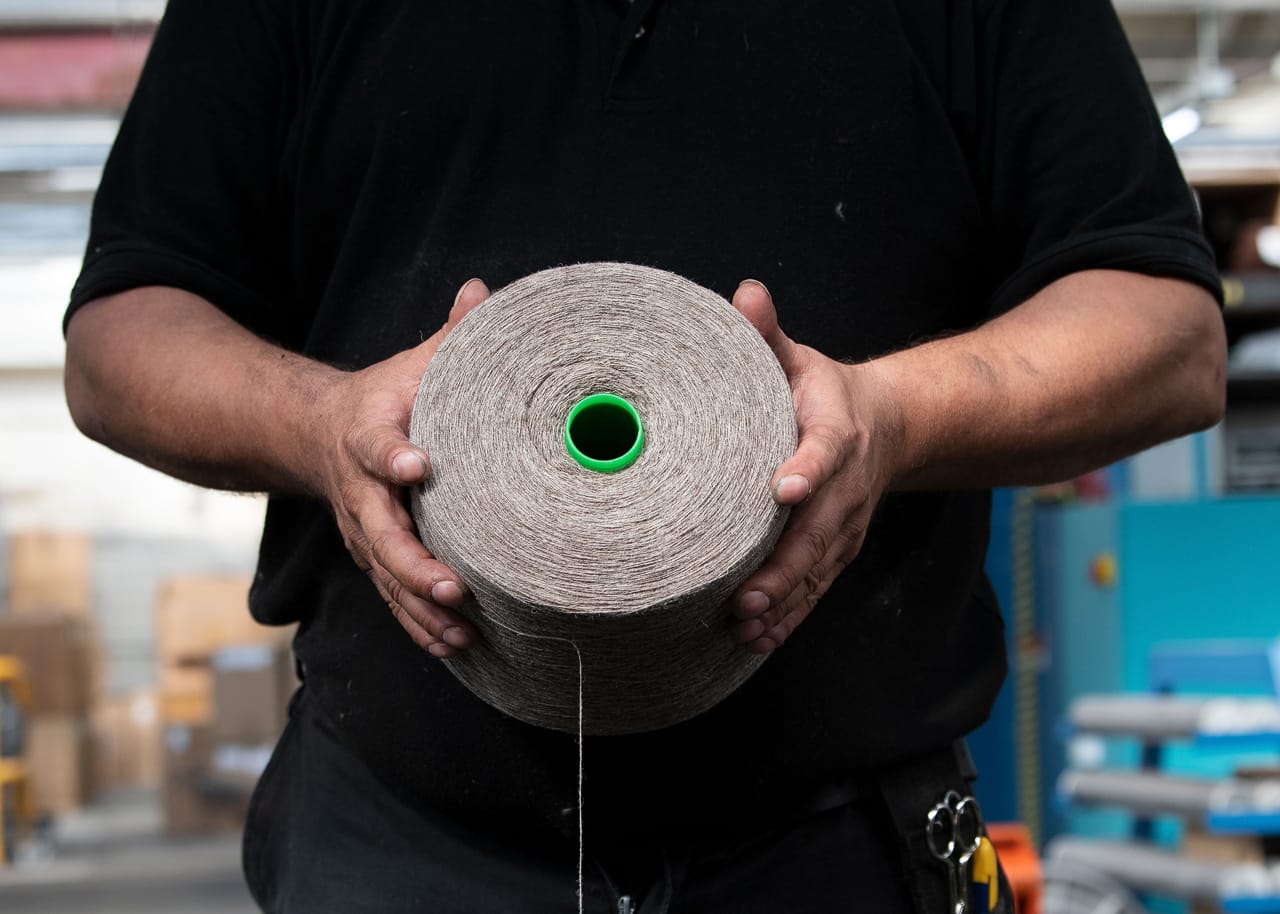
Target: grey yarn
<point>633,567</point>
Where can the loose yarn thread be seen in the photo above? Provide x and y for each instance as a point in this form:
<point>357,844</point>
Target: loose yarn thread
<point>633,568</point>
<point>581,773</point>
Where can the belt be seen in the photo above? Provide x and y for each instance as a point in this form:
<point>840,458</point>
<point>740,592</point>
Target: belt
<point>949,764</point>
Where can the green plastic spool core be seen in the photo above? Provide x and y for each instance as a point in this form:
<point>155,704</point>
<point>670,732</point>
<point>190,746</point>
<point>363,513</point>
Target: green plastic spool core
<point>604,433</point>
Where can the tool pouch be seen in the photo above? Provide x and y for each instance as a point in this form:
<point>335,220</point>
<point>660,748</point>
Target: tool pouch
<point>909,791</point>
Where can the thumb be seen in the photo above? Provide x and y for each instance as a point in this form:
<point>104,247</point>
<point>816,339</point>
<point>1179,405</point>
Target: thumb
<point>472,293</point>
<point>753,301</point>
<point>382,449</point>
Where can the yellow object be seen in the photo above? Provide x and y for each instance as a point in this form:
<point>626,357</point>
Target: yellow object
<point>1103,571</point>
<point>13,773</point>
<point>11,674</point>
<point>1232,293</point>
<point>984,870</point>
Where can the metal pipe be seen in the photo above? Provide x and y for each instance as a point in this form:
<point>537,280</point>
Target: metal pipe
<point>1143,868</point>
<point>1156,718</point>
<point>1147,793</point>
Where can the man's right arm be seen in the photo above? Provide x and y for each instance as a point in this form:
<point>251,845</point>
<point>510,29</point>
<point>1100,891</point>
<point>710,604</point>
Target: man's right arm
<point>166,378</point>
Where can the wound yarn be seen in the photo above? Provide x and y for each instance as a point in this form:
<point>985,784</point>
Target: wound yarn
<point>589,558</point>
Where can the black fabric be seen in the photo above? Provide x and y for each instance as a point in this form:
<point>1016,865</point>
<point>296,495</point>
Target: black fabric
<point>364,851</point>
<point>910,789</point>
<point>330,172</point>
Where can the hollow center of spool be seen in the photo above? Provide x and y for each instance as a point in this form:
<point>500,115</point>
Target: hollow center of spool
<point>604,433</point>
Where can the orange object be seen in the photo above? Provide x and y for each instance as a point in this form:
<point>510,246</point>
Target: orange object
<point>1103,570</point>
<point>1021,865</point>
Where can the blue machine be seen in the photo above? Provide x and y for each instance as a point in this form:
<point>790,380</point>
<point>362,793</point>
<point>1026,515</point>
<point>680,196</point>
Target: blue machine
<point>1191,569</point>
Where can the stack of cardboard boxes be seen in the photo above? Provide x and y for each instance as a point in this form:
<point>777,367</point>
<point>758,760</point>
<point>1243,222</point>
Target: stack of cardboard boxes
<point>225,684</point>
<point>124,734</point>
<point>47,628</point>
<point>201,734</point>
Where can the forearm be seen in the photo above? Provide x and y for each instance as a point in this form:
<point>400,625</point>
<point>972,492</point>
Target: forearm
<point>1097,366</point>
<point>166,378</point>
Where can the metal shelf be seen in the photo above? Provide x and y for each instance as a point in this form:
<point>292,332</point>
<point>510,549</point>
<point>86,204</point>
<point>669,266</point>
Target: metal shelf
<point>1236,888</point>
<point>1218,722</point>
<point>1232,806</point>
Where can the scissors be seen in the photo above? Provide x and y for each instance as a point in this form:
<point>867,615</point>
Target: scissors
<point>953,831</point>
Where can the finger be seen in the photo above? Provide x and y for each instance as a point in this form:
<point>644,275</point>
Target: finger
<point>472,293</point>
<point>771,628</point>
<point>429,579</point>
<point>387,451</point>
<point>755,303</point>
<point>778,625</point>
<point>395,547</point>
<point>436,623</point>
<point>751,629</point>
<point>774,637</point>
<point>803,543</point>
<point>821,527</point>
<point>821,453</point>
<point>384,534</point>
<point>382,450</point>
<point>823,444</point>
<point>417,633</point>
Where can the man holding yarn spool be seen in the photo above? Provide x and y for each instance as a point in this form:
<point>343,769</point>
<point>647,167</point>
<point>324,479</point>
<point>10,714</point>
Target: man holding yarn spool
<point>983,268</point>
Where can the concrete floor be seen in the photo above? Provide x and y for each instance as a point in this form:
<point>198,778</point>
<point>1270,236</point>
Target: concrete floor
<point>114,859</point>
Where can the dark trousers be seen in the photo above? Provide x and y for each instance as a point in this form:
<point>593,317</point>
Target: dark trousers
<point>324,836</point>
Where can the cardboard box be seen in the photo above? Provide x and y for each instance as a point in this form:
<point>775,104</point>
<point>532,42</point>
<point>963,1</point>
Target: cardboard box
<point>125,734</point>
<point>50,572</point>
<point>188,810</point>
<point>252,685</point>
<point>194,802</point>
<point>58,760</point>
<point>186,694</point>
<point>58,658</point>
<point>197,615</point>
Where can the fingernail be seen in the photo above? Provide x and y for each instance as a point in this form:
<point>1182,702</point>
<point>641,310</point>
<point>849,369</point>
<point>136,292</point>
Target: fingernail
<point>792,489</point>
<point>446,592</point>
<point>408,466</point>
<point>758,283</point>
<point>753,602</point>
<point>749,631</point>
<point>454,636</point>
<point>466,285</point>
<point>440,650</point>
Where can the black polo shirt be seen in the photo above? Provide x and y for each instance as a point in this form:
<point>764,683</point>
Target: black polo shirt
<point>330,172</point>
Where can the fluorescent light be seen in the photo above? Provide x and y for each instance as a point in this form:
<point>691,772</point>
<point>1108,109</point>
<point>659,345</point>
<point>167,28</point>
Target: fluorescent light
<point>1180,124</point>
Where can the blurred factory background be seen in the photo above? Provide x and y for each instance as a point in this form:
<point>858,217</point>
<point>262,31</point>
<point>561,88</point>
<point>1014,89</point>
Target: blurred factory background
<point>1136,747</point>
<point>123,590</point>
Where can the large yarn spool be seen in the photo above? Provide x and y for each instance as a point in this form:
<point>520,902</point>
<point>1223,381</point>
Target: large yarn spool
<point>602,439</point>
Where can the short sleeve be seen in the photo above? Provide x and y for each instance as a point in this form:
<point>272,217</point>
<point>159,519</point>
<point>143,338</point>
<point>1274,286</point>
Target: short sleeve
<point>1078,170</point>
<point>192,194</point>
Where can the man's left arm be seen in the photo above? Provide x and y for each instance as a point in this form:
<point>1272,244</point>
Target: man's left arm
<point>1094,367</point>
